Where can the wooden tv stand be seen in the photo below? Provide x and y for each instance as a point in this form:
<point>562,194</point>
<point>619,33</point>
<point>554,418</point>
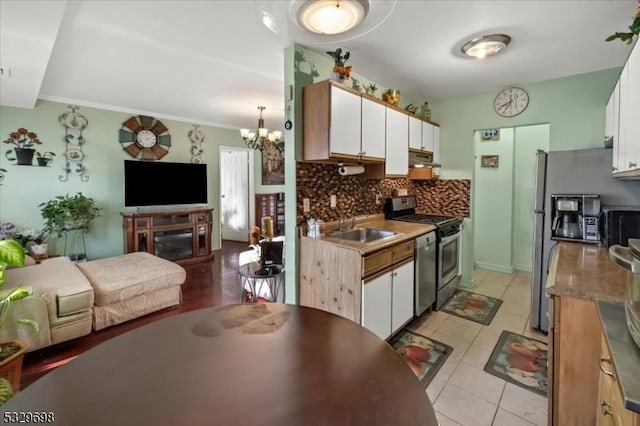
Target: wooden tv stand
<point>182,236</point>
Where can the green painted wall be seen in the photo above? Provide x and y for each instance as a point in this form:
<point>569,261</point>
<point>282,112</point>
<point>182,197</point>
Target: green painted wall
<point>528,140</point>
<point>493,189</point>
<point>573,106</point>
<point>25,187</point>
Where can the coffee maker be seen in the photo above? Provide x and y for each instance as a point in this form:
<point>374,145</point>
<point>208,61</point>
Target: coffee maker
<point>575,217</point>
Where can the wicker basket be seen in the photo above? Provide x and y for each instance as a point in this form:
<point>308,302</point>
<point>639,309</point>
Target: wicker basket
<point>11,368</point>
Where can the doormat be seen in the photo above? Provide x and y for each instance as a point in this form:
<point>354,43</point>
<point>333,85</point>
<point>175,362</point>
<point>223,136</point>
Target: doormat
<point>424,356</point>
<point>520,360</point>
<point>472,306</point>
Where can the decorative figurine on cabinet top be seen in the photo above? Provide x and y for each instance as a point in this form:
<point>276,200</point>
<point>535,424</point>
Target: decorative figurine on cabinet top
<point>341,72</point>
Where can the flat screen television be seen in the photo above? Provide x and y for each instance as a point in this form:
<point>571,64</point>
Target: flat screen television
<point>154,183</point>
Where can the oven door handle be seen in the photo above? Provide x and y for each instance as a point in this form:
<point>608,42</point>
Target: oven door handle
<point>446,240</point>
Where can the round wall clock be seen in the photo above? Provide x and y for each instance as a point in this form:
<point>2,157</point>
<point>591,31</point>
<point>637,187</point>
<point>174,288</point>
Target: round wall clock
<point>511,101</point>
<point>145,137</point>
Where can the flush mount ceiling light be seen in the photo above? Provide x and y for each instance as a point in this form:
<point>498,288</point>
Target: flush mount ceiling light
<point>332,16</point>
<point>320,22</point>
<point>486,45</point>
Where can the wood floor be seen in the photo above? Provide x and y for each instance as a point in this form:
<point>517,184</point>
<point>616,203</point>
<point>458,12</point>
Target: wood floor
<point>207,285</point>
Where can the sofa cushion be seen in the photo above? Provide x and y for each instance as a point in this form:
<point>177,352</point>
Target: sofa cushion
<point>123,277</point>
<point>66,289</point>
<point>73,299</point>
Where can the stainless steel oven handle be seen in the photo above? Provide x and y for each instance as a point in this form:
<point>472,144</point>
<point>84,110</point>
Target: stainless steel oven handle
<point>446,240</point>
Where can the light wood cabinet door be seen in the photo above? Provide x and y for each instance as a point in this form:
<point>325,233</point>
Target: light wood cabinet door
<point>415,133</point>
<point>344,133</point>
<point>376,305</point>
<point>402,295</point>
<point>397,143</point>
<point>373,129</point>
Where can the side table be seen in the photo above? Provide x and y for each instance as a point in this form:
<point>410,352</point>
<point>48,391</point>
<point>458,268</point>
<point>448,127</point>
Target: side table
<point>260,282</point>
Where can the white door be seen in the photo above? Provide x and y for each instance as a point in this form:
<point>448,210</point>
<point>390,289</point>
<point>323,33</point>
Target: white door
<point>235,167</point>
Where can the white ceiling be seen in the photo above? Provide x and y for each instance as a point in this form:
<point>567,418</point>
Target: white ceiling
<point>213,62</point>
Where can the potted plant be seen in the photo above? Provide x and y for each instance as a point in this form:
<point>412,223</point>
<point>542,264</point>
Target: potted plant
<point>44,158</point>
<point>68,212</point>
<point>11,352</point>
<point>24,141</point>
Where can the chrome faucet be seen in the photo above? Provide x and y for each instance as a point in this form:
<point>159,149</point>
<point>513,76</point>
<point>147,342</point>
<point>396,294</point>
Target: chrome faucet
<point>345,223</point>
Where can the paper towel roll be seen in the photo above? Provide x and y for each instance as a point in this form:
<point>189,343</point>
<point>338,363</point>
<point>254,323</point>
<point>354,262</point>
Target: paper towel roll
<point>350,170</point>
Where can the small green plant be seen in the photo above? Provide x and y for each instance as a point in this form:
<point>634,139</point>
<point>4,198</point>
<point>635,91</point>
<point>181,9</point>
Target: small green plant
<point>66,212</point>
<point>371,89</point>
<point>45,158</point>
<point>634,30</point>
<point>11,253</point>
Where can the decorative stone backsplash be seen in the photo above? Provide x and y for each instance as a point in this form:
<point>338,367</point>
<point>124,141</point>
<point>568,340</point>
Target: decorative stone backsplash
<point>357,196</point>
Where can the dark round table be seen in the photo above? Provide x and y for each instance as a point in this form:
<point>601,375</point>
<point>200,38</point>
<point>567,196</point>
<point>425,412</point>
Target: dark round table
<point>256,364</point>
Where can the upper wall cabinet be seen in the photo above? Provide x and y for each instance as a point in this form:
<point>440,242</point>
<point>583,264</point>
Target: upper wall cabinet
<point>626,155</point>
<point>373,129</point>
<point>397,164</point>
<point>333,120</point>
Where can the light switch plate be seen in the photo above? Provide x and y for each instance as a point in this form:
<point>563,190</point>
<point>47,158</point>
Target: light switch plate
<point>306,205</point>
<point>334,201</point>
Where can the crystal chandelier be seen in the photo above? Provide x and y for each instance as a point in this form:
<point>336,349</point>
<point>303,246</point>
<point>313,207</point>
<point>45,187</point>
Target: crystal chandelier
<point>256,139</point>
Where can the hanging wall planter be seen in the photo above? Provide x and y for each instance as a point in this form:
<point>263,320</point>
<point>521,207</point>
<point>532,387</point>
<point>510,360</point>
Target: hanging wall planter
<point>23,151</point>
<point>24,156</point>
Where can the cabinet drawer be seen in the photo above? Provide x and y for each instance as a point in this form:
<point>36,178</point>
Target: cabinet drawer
<point>402,251</point>
<point>376,262</point>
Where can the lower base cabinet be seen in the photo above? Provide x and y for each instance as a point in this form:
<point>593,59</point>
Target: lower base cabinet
<point>387,300</point>
<point>611,410</point>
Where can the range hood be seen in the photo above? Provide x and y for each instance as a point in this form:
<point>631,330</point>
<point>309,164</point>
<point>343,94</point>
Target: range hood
<point>419,159</point>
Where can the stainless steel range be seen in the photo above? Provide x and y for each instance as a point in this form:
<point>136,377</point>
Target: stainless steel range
<point>444,271</point>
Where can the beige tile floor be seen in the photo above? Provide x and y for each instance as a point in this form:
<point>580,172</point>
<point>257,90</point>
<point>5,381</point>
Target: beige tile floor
<point>462,393</point>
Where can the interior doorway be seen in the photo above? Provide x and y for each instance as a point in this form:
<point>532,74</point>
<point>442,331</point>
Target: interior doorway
<point>503,195</point>
<point>236,188</point>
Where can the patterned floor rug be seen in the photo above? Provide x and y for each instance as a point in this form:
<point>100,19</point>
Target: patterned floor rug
<point>472,306</point>
<point>520,360</point>
<point>422,355</point>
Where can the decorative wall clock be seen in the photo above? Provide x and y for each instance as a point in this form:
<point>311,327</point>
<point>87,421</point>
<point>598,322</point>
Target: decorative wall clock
<point>511,101</point>
<point>145,137</point>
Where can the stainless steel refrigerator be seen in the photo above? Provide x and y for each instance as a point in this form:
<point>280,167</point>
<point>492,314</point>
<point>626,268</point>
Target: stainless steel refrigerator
<point>584,171</point>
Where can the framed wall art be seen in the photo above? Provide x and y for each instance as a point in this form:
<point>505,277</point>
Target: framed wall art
<point>273,163</point>
<point>490,135</point>
<point>490,161</point>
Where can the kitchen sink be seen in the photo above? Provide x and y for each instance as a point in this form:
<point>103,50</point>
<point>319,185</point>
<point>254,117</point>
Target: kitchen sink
<point>363,235</point>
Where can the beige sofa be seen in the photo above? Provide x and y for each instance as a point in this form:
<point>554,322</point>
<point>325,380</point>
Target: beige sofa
<point>68,300</point>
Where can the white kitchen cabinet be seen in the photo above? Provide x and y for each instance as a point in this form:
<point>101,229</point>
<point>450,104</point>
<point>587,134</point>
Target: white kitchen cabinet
<point>387,301</point>
<point>427,136</point>
<point>376,306</point>
<point>436,148</point>
<point>626,155</point>
<point>340,125</point>
<point>344,133</point>
<point>373,129</point>
<point>397,143</point>
<point>415,133</point>
<point>402,287</point>
<point>632,146</point>
<point>611,123</point>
